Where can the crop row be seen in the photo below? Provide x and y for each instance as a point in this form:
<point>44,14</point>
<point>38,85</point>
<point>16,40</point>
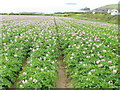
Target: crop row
<point>41,68</point>
<point>91,55</point>
<point>29,40</point>
<point>14,52</point>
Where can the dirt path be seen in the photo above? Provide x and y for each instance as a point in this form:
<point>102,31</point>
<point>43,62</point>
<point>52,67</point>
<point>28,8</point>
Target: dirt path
<point>63,81</point>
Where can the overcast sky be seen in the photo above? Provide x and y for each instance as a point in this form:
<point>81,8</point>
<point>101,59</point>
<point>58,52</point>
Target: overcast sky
<point>51,5</point>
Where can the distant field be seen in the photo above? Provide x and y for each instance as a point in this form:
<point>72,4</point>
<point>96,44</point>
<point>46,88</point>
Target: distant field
<point>83,16</point>
<point>97,17</point>
<point>91,17</point>
<point>112,6</point>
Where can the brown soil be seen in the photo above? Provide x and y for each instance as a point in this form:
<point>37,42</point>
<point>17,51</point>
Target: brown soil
<point>63,81</point>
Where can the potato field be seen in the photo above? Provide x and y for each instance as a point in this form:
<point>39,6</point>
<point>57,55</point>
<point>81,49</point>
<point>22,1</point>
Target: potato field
<point>58,52</point>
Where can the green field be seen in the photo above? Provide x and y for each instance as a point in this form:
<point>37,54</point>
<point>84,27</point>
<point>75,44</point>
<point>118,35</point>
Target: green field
<point>38,50</point>
<point>98,17</point>
<point>111,6</point>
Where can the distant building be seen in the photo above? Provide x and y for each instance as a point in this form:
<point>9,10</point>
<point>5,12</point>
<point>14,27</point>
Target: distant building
<point>85,9</point>
<point>106,11</point>
<point>93,12</point>
<point>99,10</point>
<point>113,12</point>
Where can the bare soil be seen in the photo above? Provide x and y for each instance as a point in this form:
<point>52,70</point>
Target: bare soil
<point>63,81</point>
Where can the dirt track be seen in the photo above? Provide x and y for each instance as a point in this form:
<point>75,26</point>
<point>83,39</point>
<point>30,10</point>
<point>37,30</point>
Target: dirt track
<point>63,81</point>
